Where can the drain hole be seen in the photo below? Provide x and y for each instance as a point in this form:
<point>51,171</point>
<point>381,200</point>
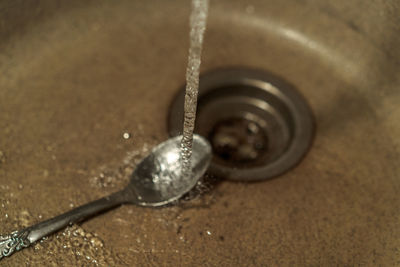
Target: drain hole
<point>238,142</point>
<point>258,124</point>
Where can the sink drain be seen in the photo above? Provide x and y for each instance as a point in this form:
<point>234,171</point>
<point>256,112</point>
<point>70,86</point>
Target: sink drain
<point>258,124</point>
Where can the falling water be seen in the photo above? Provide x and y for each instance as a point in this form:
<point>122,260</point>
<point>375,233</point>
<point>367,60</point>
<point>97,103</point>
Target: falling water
<point>198,19</point>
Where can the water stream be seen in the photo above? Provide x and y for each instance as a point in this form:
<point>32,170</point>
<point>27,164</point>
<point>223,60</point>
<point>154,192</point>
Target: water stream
<point>198,20</point>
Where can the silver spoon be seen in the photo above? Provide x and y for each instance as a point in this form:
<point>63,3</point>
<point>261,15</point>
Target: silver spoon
<point>156,181</point>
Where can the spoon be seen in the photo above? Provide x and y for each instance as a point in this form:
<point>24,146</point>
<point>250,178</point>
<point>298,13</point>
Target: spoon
<point>156,181</point>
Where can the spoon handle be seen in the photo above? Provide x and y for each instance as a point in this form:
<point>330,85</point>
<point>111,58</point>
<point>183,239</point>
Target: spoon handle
<point>18,240</point>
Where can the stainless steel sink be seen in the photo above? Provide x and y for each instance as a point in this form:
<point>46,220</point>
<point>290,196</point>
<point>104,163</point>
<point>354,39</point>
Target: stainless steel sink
<point>77,75</point>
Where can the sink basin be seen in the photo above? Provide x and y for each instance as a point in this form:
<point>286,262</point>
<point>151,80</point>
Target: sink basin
<point>85,92</point>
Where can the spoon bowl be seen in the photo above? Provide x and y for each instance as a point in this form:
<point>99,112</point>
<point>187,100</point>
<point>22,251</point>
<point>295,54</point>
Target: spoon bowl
<point>158,179</point>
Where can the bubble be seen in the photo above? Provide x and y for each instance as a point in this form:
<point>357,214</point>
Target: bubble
<point>126,135</point>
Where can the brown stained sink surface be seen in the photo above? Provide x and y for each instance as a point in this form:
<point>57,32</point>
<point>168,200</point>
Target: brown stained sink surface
<point>76,75</point>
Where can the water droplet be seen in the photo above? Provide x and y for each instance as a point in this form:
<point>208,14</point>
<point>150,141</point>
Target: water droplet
<point>96,242</point>
<point>126,135</point>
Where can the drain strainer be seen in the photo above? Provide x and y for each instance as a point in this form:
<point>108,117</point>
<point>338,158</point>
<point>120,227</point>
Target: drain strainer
<point>258,124</point>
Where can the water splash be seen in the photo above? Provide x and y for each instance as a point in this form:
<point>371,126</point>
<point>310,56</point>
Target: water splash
<point>198,20</point>
<point>77,245</point>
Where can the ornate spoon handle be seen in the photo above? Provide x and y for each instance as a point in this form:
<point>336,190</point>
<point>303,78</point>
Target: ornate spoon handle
<point>24,238</point>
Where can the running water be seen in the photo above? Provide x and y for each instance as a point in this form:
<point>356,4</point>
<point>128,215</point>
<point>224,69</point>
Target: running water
<point>198,19</point>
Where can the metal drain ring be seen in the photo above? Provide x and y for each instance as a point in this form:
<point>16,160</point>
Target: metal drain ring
<point>262,98</point>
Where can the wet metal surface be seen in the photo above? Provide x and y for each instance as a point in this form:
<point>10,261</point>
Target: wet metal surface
<point>260,125</point>
<point>77,75</point>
